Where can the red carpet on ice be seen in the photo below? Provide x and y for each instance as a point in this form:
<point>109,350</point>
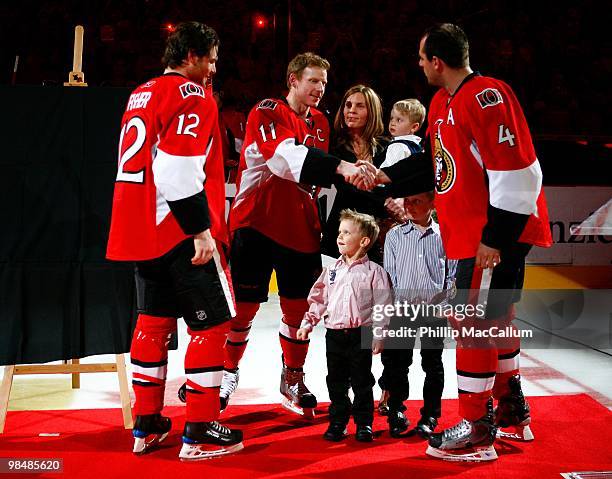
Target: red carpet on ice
<point>573,433</point>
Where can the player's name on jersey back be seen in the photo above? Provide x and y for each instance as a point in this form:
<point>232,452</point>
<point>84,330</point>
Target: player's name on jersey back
<point>138,100</point>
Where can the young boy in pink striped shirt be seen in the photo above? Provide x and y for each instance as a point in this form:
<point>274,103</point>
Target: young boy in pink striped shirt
<point>349,297</point>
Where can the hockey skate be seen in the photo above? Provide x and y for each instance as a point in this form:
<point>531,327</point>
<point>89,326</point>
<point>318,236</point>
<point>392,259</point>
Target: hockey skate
<point>149,430</point>
<point>295,395</point>
<point>206,440</point>
<point>512,412</point>
<point>228,386</point>
<point>466,441</point>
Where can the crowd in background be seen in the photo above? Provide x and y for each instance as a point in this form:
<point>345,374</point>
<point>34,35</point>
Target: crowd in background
<point>551,52</point>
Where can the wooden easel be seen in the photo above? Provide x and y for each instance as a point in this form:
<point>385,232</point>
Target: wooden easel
<point>73,367</point>
<point>76,77</point>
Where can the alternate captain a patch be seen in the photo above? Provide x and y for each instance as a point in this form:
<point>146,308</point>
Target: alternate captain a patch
<point>489,97</point>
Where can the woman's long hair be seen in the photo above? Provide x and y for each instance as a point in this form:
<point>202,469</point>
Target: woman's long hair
<point>374,126</point>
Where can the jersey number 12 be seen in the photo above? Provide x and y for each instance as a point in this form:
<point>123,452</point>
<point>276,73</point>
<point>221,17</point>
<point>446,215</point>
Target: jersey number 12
<point>131,151</point>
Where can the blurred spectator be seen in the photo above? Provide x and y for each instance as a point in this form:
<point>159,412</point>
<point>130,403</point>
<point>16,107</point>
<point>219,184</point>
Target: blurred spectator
<point>231,124</point>
<point>521,42</point>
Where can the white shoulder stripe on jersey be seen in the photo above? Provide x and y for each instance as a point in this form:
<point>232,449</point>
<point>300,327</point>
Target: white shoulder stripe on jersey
<point>178,177</point>
<point>288,160</point>
<point>516,191</point>
<point>256,173</point>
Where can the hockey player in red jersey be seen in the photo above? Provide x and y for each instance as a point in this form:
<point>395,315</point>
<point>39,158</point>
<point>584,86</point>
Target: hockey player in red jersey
<point>492,210</point>
<point>274,220</point>
<point>168,217</point>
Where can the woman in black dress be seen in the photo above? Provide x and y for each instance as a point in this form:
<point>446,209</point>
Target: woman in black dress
<point>358,129</point>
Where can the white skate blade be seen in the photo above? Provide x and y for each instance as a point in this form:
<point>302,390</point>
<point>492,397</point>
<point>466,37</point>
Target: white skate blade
<point>201,452</point>
<point>142,445</point>
<point>307,412</point>
<point>478,454</point>
<point>516,433</point>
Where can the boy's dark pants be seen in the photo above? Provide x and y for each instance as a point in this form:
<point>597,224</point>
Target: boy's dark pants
<point>348,365</point>
<point>398,359</point>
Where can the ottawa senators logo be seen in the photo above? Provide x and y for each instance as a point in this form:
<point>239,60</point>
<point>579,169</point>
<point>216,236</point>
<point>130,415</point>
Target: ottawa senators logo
<point>489,97</point>
<point>446,171</point>
<point>267,105</point>
<point>189,89</point>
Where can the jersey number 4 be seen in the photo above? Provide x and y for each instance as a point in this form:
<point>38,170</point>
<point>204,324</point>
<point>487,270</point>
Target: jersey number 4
<point>505,135</point>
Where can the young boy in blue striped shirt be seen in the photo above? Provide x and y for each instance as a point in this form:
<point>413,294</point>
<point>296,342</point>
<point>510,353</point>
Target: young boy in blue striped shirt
<point>420,274</point>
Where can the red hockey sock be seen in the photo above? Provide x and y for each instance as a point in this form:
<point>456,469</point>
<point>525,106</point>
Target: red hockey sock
<point>149,358</point>
<point>294,350</point>
<point>204,372</point>
<point>473,406</point>
<point>475,378</point>
<point>238,336</point>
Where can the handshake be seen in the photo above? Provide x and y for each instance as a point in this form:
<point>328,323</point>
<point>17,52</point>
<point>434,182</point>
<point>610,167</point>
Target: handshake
<point>362,175</point>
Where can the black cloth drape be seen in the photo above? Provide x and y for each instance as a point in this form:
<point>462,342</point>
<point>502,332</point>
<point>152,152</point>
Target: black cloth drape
<point>59,297</point>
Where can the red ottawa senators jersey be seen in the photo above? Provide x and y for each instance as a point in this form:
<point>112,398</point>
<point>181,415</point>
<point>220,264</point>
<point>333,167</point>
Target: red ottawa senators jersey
<point>484,161</point>
<point>269,197</point>
<point>169,153</point>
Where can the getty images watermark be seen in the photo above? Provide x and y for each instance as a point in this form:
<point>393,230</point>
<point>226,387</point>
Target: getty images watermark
<point>421,319</point>
<point>539,319</point>
<point>419,314</point>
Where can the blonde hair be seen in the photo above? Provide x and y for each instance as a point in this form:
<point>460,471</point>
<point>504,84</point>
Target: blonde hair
<point>303,61</point>
<point>412,108</point>
<point>374,124</point>
<point>366,223</point>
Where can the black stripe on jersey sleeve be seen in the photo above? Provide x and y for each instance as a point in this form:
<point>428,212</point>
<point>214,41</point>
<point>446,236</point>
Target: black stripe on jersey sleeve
<point>191,213</point>
<point>319,168</point>
<point>410,176</point>
<point>503,227</point>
